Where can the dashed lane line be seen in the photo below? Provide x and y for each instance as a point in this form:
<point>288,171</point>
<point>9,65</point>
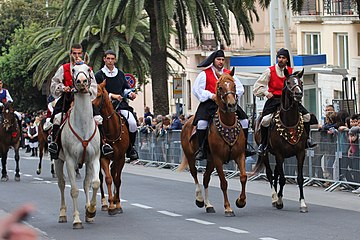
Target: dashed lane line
<point>141,206</point>
<point>199,221</point>
<point>39,179</point>
<point>235,230</point>
<point>171,214</point>
<point>268,238</point>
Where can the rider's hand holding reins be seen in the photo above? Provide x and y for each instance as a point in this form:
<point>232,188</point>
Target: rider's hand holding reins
<point>67,89</point>
<point>269,95</point>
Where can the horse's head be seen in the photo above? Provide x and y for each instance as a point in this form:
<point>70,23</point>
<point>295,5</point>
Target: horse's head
<point>9,119</point>
<point>294,85</point>
<point>226,92</point>
<point>81,77</point>
<point>102,98</point>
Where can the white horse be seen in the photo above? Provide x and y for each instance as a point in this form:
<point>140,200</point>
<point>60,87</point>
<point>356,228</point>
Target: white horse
<point>80,141</point>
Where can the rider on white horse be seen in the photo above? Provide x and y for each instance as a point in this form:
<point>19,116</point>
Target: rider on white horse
<point>61,87</point>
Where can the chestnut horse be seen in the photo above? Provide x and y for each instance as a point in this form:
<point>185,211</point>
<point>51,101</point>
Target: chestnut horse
<point>116,134</point>
<point>226,142</point>
<point>287,138</point>
<point>43,148</point>
<point>10,136</point>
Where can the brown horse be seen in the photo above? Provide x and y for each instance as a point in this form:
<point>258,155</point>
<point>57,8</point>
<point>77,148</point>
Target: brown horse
<point>287,138</point>
<point>118,137</point>
<point>43,148</point>
<point>10,136</point>
<point>226,142</point>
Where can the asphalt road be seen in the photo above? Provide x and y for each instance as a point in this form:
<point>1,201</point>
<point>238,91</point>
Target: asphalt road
<point>160,204</point>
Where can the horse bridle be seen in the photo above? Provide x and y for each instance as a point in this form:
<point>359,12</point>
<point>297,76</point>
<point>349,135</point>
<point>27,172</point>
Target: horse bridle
<point>6,121</point>
<point>88,78</point>
<point>222,98</point>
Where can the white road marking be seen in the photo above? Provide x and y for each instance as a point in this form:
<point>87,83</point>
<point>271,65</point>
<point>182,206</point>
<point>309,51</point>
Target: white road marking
<point>170,214</point>
<point>68,185</point>
<point>235,230</point>
<point>27,175</point>
<point>268,238</point>
<point>141,205</point>
<point>36,178</point>
<point>199,221</point>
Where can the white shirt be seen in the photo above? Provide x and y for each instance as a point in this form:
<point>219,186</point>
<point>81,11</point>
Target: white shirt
<point>200,83</point>
<point>261,84</point>
<point>108,72</point>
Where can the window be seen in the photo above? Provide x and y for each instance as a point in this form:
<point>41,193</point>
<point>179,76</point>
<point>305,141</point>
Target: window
<point>312,43</point>
<point>342,50</point>
<point>188,95</point>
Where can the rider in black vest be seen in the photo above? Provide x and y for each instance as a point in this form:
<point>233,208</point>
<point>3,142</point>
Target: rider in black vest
<point>119,91</point>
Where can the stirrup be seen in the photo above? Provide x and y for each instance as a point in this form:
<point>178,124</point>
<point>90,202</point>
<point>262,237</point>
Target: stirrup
<point>133,154</point>
<point>53,148</point>
<point>310,143</point>
<point>106,149</point>
<point>262,149</point>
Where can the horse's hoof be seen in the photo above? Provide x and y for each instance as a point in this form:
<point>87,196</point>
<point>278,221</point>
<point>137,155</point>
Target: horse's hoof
<point>239,203</point>
<point>38,171</point>
<point>199,204</point>
<point>90,214</point>
<point>62,219</point>
<point>17,178</point>
<point>119,210</point>
<point>229,214</point>
<point>104,208</point>
<point>279,205</point>
<point>273,204</point>
<point>304,209</point>
<point>78,226</point>
<point>210,210</point>
<point>54,175</point>
<point>112,212</point>
<point>89,220</point>
<point>5,178</point>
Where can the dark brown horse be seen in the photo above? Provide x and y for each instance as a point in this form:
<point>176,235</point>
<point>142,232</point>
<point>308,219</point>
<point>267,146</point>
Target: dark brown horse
<point>10,136</point>
<point>118,137</point>
<point>287,138</point>
<point>226,142</point>
<point>43,147</point>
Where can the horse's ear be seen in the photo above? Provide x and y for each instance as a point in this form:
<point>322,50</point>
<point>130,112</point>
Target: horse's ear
<point>86,58</point>
<point>286,72</point>
<point>103,84</point>
<point>300,74</point>
<point>232,72</point>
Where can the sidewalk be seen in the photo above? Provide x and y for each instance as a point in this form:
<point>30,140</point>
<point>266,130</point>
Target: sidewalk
<point>313,195</point>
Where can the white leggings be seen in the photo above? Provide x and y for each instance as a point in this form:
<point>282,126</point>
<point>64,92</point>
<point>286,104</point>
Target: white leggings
<point>202,124</point>
<point>131,120</point>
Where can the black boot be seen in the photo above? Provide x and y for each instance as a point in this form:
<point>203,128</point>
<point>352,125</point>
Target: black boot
<point>131,152</point>
<point>28,149</point>
<point>309,143</point>
<point>249,150</point>
<point>106,148</point>
<point>32,152</point>
<point>201,152</point>
<point>264,140</point>
<point>36,152</point>
<point>53,146</point>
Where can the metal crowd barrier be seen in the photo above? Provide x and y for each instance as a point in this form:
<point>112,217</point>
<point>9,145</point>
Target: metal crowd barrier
<point>326,165</point>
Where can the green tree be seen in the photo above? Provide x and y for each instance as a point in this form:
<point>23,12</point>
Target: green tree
<point>15,14</point>
<point>13,72</point>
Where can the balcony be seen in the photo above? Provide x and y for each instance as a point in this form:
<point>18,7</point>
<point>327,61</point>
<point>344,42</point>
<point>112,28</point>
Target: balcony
<point>328,10</point>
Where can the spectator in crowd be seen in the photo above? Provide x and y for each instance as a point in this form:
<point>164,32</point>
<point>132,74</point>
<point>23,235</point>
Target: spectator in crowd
<point>328,134</point>
<point>176,123</point>
<point>33,137</point>
<point>147,112</point>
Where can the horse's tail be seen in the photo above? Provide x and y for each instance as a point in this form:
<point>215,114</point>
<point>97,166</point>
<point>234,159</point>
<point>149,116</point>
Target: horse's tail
<point>184,163</point>
<point>259,165</point>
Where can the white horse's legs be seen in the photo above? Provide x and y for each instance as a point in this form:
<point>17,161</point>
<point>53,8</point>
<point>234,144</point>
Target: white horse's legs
<point>92,168</point>
<point>74,192</point>
<point>59,169</point>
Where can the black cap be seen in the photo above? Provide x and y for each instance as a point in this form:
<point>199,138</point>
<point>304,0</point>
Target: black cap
<point>284,52</point>
<point>210,59</point>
